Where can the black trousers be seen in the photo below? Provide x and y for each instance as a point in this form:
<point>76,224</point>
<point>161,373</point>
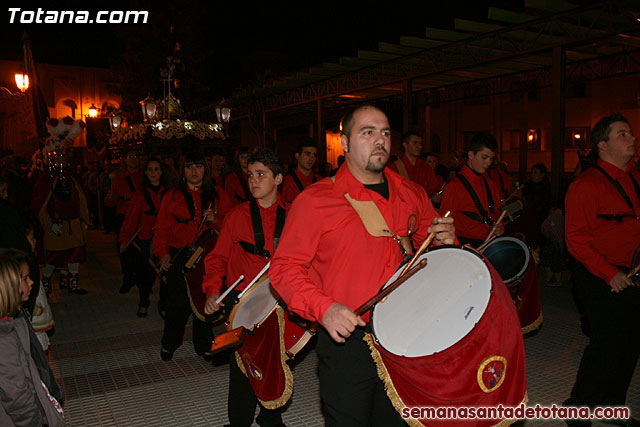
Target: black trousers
<point>127,263</point>
<point>351,391</point>
<point>178,313</point>
<point>145,275</point>
<point>609,360</point>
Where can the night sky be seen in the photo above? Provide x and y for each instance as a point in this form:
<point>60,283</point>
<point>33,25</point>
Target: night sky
<point>233,42</point>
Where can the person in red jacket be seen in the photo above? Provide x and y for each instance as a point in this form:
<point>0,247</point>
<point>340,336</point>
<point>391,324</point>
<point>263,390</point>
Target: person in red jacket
<point>236,184</point>
<point>124,187</point>
<point>472,197</point>
<point>239,252</point>
<point>139,221</point>
<point>182,212</point>
<point>302,176</point>
<point>412,167</point>
<point>327,264</point>
<point>497,172</point>
<point>602,229</point>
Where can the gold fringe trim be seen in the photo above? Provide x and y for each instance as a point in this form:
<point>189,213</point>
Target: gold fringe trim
<point>288,376</point>
<point>395,398</point>
<point>533,326</point>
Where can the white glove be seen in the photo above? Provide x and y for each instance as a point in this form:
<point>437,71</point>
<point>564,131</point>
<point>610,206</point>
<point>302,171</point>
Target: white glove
<point>56,228</point>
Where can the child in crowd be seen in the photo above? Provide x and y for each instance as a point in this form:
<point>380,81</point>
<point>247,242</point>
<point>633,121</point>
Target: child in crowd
<point>26,400</point>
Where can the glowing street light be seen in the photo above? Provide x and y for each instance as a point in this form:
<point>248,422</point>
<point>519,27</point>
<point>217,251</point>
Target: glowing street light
<point>22,81</point>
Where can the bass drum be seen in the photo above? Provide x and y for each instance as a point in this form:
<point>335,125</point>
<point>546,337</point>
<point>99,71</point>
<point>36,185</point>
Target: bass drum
<point>449,336</point>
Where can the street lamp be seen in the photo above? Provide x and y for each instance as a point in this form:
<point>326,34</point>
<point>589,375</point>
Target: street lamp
<point>22,81</point>
<point>223,114</point>
<point>149,108</point>
<point>115,120</point>
<point>93,111</point>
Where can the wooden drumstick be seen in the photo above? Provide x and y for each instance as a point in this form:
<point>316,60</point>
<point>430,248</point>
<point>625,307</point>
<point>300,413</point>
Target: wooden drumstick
<point>422,248</point>
<point>633,271</point>
<point>224,295</point>
<point>255,279</point>
<point>513,194</point>
<point>388,289</point>
<point>126,245</point>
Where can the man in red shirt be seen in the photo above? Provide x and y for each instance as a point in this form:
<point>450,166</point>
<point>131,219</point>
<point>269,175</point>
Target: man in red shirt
<point>327,264</point>
<point>239,251</point>
<point>472,197</point>
<point>412,167</point>
<point>303,175</point>
<point>123,189</point>
<point>182,211</point>
<point>236,184</point>
<point>602,229</point>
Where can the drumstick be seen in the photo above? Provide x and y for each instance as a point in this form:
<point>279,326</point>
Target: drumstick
<point>485,243</point>
<point>633,271</point>
<point>224,295</point>
<point>126,245</point>
<point>255,279</point>
<point>493,229</point>
<point>422,248</point>
<point>513,194</point>
<point>388,289</point>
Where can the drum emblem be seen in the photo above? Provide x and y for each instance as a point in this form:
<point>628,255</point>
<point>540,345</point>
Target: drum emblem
<point>251,368</point>
<point>491,373</point>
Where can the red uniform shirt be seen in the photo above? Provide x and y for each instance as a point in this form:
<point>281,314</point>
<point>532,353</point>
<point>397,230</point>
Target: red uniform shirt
<point>502,180</point>
<point>289,187</point>
<point>598,243</point>
<point>141,215</point>
<point>457,199</point>
<point>122,194</point>
<point>234,188</point>
<point>174,227</point>
<point>326,255</point>
<point>421,173</point>
<point>228,258</point>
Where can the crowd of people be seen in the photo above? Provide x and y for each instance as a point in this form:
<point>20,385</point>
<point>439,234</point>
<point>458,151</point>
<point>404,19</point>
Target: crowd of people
<point>194,229</point>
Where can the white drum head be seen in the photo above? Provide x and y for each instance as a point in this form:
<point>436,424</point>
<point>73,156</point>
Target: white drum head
<point>435,308</point>
<point>255,305</point>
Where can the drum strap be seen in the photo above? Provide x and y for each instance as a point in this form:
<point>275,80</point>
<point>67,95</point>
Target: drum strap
<point>623,193</point>
<point>130,183</point>
<point>245,187</point>
<point>298,182</point>
<point>402,170</point>
<point>258,232</point>
<point>483,215</point>
<point>147,198</point>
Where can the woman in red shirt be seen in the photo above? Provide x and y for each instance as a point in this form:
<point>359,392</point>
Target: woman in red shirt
<point>141,215</point>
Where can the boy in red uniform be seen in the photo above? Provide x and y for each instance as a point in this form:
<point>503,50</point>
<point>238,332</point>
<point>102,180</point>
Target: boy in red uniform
<point>182,211</point>
<point>141,215</point>
<point>412,167</point>
<point>303,175</point>
<point>242,249</point>
<point>602,229</point>
<point>327,264</point>
<point>472,197</point>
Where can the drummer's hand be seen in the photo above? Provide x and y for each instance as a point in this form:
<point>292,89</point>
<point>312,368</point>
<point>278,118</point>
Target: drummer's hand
<point>499,229</point>
<point>210,215</point>
<point>619,282</point>
<point>437,198</point>
<point>340,321</point>
<point>123,248</point>
<point>445,231</point>
<point>210,305</point>
<point>165,262</point>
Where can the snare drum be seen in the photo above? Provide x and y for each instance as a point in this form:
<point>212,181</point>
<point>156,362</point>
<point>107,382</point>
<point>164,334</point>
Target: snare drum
<point>255,305</point>
<point>512,259</point>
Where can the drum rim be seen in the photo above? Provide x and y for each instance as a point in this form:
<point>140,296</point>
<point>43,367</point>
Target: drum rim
<point>527,252</point>
<point>246,295</point>
<point>466,248</point>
